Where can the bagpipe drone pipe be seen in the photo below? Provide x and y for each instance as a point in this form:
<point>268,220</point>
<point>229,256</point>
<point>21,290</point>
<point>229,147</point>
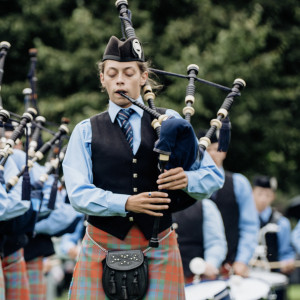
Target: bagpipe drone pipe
<point>31,124</point>
<point>177,143</point>
<point>20,220</point>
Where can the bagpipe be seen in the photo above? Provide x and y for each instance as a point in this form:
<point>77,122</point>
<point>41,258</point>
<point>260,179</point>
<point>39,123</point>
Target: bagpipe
<point>39,155</point>
<point>177,143</point>
<point>31,124</point>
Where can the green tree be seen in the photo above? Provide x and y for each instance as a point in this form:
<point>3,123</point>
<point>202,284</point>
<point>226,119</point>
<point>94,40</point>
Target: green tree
<point>256,40</point>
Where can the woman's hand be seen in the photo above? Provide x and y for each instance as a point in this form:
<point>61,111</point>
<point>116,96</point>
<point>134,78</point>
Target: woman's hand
<point>148,203</point>
<point>173,179</point>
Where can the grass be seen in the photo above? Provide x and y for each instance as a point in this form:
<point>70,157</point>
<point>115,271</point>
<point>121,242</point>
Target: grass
<point>294,292</point>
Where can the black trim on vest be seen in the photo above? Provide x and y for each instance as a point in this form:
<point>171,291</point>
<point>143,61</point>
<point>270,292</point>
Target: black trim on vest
<point>226,202</point>
<point>189,231</point>
<point>112,159</point>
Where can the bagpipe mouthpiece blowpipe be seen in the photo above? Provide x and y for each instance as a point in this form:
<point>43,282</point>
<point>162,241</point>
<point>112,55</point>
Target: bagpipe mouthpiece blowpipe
<point>122,6</point>
<point>152,112</point>
<point>188,110</point>
<point>26,118</point>
<point>222,113</point>
<point>4,47</point>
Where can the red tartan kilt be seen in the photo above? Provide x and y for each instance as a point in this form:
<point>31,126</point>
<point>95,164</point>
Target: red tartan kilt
<point>37,281</point>
<point>165,267</point>
<point>2,286</point>
<point>15,276</point>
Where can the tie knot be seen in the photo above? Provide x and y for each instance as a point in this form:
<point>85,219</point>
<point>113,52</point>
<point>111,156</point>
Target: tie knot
<point>124,114</point>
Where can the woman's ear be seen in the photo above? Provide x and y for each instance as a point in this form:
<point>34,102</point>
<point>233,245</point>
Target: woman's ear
<point>144,78</point>
<point>102,80</point>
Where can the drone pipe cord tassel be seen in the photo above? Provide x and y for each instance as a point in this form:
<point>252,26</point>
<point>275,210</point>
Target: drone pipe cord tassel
<point>26,118</point>
<point>188,110</point>
<point>222,113</point>
<point>63,129</point>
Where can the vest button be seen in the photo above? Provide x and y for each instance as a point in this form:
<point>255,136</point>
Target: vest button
<point>131,219</point>
<point>134,160</point>
<point>135,190</point>
<point>135,175</point>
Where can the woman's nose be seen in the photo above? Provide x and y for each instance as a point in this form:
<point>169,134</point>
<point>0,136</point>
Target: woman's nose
<point>120,78</point>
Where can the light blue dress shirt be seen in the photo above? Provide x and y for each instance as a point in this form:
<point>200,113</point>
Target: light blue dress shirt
<point>285,248</point>
<point>11,204</point>
<point>248,221</point>
<point>296,237</point>
<point>90,200</point>
<point>59,219</point>
<point>70,240</point>
<point>63,214</point>
<point>214,239</point>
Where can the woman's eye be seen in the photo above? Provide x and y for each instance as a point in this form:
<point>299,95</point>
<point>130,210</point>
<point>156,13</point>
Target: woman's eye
<point>129,74</point>
<point>111,74</point>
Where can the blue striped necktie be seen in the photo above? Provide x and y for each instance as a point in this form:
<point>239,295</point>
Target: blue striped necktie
<point>123,116</point>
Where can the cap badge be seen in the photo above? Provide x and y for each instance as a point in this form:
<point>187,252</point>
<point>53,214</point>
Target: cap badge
<point>137,48</point>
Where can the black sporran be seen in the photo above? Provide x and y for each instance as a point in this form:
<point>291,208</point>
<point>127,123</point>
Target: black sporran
<point>125,275</point>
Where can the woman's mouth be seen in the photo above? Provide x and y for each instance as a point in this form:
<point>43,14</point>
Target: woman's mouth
<point>121,91</point>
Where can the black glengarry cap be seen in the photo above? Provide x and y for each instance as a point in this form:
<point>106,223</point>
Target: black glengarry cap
<point>124,51</point>
<point>265,182</point>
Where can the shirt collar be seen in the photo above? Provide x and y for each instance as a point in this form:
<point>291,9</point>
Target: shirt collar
<point>113,109</point>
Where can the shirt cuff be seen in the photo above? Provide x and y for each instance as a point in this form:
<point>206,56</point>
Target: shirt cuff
<point>215,262</point>
<point>117,203</point>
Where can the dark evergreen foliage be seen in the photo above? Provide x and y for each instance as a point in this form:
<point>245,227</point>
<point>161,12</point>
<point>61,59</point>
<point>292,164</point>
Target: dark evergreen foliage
<point>255,40</point>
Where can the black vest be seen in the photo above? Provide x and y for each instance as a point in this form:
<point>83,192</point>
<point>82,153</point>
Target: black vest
<point>271,237</point>
<point>189,230</point>
<point>14,231</point>
<point>226,203</point>
<point>39,245</point>
<point>116,169</point>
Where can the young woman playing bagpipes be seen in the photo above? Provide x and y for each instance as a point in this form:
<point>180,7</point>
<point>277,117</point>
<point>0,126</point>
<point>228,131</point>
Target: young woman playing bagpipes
<point>111,174</point>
